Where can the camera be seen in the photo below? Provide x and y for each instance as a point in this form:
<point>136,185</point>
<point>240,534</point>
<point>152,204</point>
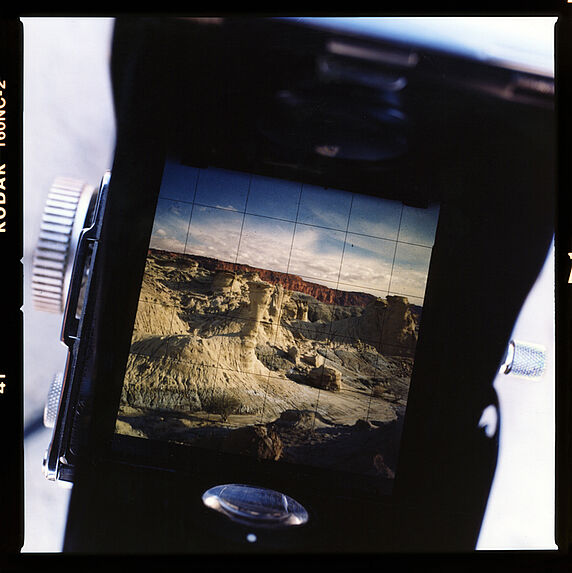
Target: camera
<point>292,291</point>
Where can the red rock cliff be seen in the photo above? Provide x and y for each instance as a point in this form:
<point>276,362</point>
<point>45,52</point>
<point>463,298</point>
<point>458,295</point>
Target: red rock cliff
<point>290,282</point>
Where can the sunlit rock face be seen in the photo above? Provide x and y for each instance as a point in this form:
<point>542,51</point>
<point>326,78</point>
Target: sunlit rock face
<point>398,331</point>
<point>325,377</point>
<point>260,294</point>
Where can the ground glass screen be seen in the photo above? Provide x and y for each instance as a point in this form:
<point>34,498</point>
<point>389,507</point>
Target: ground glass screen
<point>278,320</point>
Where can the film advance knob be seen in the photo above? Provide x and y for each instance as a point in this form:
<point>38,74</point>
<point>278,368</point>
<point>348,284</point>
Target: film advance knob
<point>65,215</point>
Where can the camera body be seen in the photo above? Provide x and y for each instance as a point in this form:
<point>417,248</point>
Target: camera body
<point>249,406</point>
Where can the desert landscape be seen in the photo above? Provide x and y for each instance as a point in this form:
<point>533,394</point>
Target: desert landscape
<point>263,363</point>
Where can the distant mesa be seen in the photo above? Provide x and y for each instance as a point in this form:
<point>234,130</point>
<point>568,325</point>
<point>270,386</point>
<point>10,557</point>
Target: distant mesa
<point>289,282</point>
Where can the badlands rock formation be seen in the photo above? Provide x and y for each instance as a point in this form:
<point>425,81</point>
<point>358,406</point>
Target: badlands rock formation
<point>289,282</point>
<point>218,345</point>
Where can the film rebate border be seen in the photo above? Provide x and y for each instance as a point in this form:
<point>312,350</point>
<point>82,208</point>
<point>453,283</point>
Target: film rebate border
<point>11,297</point>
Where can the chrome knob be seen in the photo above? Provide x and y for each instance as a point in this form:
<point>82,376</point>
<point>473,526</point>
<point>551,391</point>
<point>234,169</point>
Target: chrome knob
<point>53,400</point>
<point>524,359</point>
<point>65,215</point>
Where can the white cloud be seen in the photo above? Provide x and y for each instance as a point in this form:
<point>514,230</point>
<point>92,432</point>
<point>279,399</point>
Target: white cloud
<point>167,244</point>
<point>316,254</point>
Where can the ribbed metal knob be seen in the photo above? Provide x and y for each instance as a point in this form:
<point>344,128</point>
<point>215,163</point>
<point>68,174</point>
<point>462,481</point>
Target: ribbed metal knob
<point>524,359</point>
<point>63,219</point>
<point>53,400</point>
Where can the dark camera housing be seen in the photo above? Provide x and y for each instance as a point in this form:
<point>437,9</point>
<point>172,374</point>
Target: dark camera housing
<point>288,100</point>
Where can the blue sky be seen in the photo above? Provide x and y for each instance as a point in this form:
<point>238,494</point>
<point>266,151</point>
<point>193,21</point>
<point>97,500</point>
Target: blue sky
<point>329,236</point>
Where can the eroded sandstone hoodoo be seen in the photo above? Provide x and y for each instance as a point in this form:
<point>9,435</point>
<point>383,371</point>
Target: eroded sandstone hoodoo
<point>259,300</point>
<point>398,332</point>
<point>225,282</point>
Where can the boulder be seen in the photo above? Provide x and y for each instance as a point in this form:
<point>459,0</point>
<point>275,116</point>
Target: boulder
<point>315,360</point>
<point>293,354</point>
<point>325,378</point>
<point>259,441</point>
<point>382,468</point>
<point>305,419</point>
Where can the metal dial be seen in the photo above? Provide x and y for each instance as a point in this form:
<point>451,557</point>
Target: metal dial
<point>65,214</point>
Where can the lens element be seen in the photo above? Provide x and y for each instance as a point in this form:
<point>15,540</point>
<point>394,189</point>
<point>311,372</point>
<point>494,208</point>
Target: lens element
<point>255,506</point>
